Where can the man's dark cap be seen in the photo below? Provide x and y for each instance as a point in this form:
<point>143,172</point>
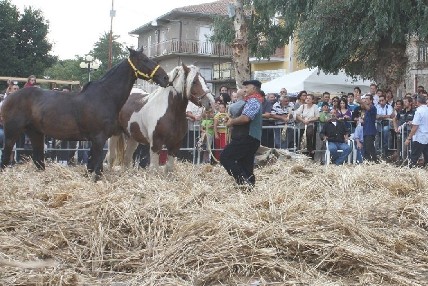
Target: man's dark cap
<point>253,82</point>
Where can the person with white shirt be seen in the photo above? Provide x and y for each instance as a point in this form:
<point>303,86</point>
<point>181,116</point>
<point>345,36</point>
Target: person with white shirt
<point>384,114</point>
<point>194,116</point>
<point>283,114</point>
<point>373,92</point>
<point>419,132</point>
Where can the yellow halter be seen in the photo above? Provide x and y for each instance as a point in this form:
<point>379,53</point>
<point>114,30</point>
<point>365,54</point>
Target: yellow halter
<point>137,72</point>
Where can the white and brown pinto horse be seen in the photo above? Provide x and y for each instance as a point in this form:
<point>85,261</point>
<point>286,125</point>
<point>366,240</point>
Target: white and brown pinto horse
<point>159,119</point>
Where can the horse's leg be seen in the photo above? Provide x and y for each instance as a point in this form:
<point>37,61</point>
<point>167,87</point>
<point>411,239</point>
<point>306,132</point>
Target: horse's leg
<point>169,167</point>
<point>131,146</point>
<point>172,153</point>
<point>154,160</point>
<point>97,156</point>
<point>90,165</point>
<point>11,135</point>
<point>38,143</point>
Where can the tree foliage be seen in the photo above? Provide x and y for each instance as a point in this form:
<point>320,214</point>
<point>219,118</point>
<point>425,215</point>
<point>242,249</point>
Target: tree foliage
<point>66,70</point>
<point>8,27</point>
<point>100,51</point>
<point>223,29</point>
<point>70,69</point>
<point>365,38</point>
<point>25,49</point>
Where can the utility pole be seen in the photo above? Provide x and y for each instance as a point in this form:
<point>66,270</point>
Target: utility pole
<point>110,43</point>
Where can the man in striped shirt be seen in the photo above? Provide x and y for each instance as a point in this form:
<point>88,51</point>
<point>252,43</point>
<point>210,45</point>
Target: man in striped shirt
<point>238,156</point>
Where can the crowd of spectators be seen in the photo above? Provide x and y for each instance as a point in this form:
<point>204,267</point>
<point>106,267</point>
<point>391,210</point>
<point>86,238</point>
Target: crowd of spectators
<point>375,122</point>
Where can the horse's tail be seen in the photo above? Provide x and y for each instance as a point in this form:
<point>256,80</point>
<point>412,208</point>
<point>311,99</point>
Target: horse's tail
<point>116,150</point>
<point>120,147</point>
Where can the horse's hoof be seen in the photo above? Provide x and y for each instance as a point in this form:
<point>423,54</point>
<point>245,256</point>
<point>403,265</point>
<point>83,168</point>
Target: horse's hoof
<point>96,177</point>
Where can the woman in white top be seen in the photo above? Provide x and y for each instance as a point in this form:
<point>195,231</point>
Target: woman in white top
<point>306,115</point>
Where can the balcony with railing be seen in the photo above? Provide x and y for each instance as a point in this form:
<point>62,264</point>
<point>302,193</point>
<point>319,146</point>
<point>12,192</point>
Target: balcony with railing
<point>197,48</point>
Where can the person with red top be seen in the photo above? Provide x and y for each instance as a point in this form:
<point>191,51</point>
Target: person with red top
<point>220,130</point>
<point>238,156</point>
<point>31,81</point>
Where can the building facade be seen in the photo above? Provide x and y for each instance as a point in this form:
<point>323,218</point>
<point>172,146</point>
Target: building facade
<point>183,36</point>
<point>282,62</point>
<point>417,73</point>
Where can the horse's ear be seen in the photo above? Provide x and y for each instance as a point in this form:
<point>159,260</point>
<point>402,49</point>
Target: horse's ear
<point>185,68</point>
<point>131,50</point>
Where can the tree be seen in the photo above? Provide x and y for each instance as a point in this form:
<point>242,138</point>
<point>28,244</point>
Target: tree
<point>366,38</point>
<point>240,45</point>
<point>70,69</point>
<point>66,70</point>
<point>24,47</point>
<point>9,25</point>
<point>100,51</point>
<point>234,31</point>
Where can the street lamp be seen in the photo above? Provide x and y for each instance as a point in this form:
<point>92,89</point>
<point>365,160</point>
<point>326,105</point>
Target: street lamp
<point>90,63</point>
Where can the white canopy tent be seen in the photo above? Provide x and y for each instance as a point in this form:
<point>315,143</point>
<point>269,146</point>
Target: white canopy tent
<point>315,81</point>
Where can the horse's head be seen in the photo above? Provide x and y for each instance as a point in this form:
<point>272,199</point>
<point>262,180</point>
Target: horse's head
<point>189,81</point>
<point>146,68</point>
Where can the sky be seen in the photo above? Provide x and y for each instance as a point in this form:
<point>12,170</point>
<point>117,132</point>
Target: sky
<point>75,26</point>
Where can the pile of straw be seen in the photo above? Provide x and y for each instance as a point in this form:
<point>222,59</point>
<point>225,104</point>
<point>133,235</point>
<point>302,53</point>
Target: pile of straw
<point>303,224</point>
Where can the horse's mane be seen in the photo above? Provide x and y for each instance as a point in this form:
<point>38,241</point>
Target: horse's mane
<point>107,74</point>
<point>112,70</point>
<point>178,76</point>
<point>85,86</point>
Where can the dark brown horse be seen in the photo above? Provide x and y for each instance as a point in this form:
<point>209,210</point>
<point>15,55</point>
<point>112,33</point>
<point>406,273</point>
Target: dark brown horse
<point>91,114</point>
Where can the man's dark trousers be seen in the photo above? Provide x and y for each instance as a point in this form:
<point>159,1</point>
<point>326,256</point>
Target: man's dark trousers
<point>238,159</point>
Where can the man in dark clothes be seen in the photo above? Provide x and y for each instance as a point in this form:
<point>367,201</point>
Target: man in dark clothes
<point>337,135</point>
<point>238,156</point>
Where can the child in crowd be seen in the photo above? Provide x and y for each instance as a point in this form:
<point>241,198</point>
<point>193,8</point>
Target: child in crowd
<point>325,114</point>
<point>220,130</point>
<point>358,138</point>
<point>207,134</point>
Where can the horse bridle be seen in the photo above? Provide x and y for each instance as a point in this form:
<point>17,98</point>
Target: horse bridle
<point>198,98</point>
<point>138,72</point>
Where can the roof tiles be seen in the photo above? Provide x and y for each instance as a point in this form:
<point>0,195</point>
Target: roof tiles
<point>214,8</point>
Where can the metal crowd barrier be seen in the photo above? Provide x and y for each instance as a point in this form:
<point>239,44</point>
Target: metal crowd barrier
<point>195,151</point>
